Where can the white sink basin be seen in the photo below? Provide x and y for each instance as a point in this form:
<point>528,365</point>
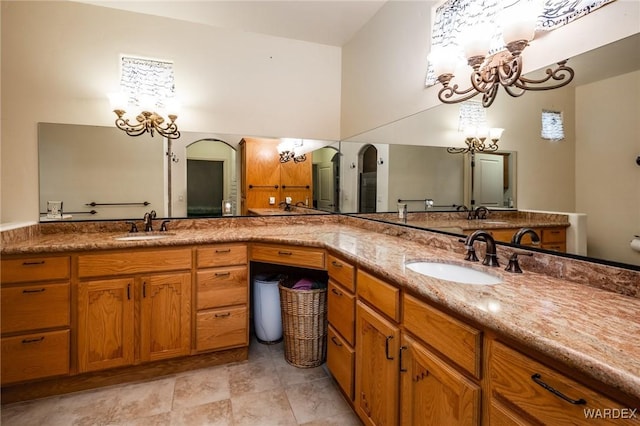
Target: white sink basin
<point>455,273</point>
<point>143,237</point>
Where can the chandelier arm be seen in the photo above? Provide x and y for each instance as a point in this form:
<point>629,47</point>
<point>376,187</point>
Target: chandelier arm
<point>169,131</point>
<point>452,150</point>
<point>489,95</point>
<point>509,73</point>
<point>562,74</point>
<point>131,130</point>
<point>515,90</point>
<point>450,91</point>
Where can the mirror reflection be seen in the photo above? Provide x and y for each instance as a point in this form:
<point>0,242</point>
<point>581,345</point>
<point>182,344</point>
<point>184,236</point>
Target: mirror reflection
<point>590,176</point>
<point>101,173</point>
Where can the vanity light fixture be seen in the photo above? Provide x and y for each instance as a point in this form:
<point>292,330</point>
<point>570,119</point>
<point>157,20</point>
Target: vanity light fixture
<point>504,68</point>
<point>147,121</point>
<point>287,150</point>
<point>475,138</point>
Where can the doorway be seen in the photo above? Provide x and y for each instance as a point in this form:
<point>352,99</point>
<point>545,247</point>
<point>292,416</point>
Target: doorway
<point>205,189</point>
<point>368,180</point>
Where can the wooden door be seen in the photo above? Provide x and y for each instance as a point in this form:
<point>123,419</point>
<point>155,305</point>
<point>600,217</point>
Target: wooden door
<point>165,316</point>
<point>105,324</point>
<point>434,393</point>
<point>377,343</point>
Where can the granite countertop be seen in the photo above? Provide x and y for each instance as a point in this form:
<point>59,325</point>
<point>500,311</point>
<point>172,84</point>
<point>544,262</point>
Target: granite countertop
<point>589,329</point>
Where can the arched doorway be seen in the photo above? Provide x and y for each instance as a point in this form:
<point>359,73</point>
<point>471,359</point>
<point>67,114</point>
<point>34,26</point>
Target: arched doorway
<point>326,175</point>
<point>211,168</point>
<point>368,179</point>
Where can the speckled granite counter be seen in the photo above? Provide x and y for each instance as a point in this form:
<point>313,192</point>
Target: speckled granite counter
<point>589,329</point>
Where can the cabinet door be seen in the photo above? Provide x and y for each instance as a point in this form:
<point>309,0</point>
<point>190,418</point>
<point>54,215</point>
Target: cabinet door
<point>433,393</point>
<point>165,316</point>
<point>377,343</point>
<point>105,324</point>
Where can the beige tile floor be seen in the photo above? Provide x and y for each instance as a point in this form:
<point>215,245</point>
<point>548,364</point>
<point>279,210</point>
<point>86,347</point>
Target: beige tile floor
<point>263,391</point>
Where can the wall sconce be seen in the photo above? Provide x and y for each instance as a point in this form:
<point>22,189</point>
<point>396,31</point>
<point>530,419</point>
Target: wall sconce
<point>147,121</point>
<point>380,162</point>
<point>353,165</point>
<point>475,138</point>
<point>500,69</point>
<point>173,157</point>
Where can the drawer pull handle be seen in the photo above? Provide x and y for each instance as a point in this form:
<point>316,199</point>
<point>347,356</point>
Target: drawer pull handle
<point>386,348</point>
<point>537,378</point>
<point>37,290</point>
<point>223,251</point>
<point>336,292</point>
<point>336,264</point>
<point>285,253</point>
<point>226,314</point>
<point>36,340</point>
<point>144,289</point>
<point>33,263</point>
<point>336,342</point>
<point>402,349</point>
<point>222,274</point>
<point>128,291</point>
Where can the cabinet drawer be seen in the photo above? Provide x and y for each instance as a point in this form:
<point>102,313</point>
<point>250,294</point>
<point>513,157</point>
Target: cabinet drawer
<point>561,247</point>
<point>385,297</point>
<point>341,311</point>
<point>223,255</point>
<point>222,328</point>
<point>342,271</point>
<point>287,255</point>
<point>519,380</point>
<point>222,287</point>
<point>133,262</point>
<point>341,361</point>
<point>503,235</point>
<point>456,340</point>
<point>35,269</point>
<point>35,356</point>
<point>554,235</point>
<point>35,307</point>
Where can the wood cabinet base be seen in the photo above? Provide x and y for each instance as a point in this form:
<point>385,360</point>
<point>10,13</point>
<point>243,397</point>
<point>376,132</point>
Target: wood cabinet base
<point>62,385</point>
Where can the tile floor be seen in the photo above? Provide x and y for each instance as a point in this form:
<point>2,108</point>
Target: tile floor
<point>263,391</point>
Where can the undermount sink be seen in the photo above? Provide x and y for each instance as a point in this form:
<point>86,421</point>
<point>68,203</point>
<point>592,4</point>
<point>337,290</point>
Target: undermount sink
<point>144,236</point>
<point>455,273</point>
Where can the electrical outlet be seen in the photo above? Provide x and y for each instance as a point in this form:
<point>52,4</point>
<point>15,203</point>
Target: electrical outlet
<point>287,200</point>
<point>272,200</point>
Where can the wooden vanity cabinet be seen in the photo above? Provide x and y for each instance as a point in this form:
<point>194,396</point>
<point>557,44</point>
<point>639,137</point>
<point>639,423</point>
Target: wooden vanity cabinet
<point>35,341</point>
<point>341,315</point>
<point>377,351</point>
<point>551,238</point>
<point>523,391</point>
<point>222,297</point>
<point>436,387</point>
<point>304,257</point>
<point>113,288</point>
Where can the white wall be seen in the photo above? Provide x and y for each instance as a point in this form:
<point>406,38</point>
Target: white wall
<point>59,59</point>
<point>609,191</point>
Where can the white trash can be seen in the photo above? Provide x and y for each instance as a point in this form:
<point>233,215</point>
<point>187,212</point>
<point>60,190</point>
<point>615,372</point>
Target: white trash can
<point>267,318</point>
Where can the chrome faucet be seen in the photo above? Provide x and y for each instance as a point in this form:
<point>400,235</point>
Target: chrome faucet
<point>148,220</point>
<point>517,237</point>
<point>490,258</point>
<point>480,212</point>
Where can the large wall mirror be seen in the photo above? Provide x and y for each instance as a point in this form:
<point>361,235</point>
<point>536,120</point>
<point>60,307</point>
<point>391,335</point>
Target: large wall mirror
<point>591,171</point>
<point>100,173</point>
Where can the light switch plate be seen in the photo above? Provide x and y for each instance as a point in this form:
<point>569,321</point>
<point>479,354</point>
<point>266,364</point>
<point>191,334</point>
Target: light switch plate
<point>272,200</point>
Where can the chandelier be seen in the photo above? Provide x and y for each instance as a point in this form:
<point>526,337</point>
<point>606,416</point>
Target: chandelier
<point>287,150</point>
<point>491,71</point>
<point>475,139</point>
<point>146,122</point>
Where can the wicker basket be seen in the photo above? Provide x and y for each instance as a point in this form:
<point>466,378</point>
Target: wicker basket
<point>304,326</point>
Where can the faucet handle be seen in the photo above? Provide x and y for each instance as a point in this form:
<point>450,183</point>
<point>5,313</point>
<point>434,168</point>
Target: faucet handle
<point>134,228</point>
<point>513,265</point>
